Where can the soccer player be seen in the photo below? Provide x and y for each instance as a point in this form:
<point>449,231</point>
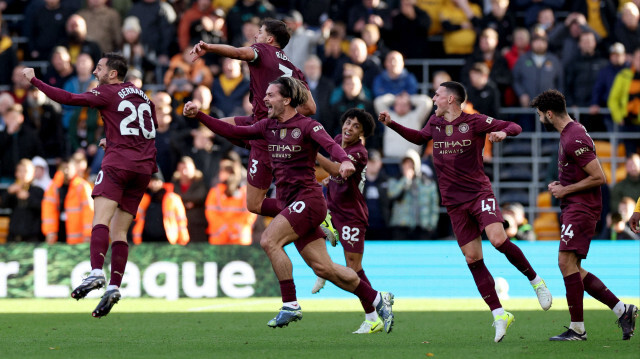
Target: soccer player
<point>130,159</point>
<point>348,205</point>
<point>293,141</point>
<point>578,188</point>
<point>458,141</point>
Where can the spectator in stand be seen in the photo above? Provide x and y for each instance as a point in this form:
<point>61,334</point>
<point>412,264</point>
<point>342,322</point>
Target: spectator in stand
<point>409,110</point>
<point>45,117</point>
<point>230,87</point>
<point>229,220</point>
<point>167,155</point>
<point>488,53</point>
<point>45,28</point>
<point>67,208</point>
<point>368,12</point>
<point>248,32</point>
<point>76,40</point>
<point>190,186</point>
<point>16,141</point>
<point>86,129</point>
<point>207,149</point>
<point>483,95</point>
<point>321,88</point>
<point>6,101</point>
<point>375,192</point>
<point>210,29</point>
<point>61,69</point>
<point>332,55</point>
<point>537,71</point>
<point>161,215</point>
<point>564,38</point>
<point>433,9</point>
<point>501,20</point>
<point>375,44</point>
<point>521,44</point>
<point>103,25</point>
<point>630,186</point>
<point>196,71</point>
<point>395,79</point>
<point>8,56</point>
<point>546,21</point>
<point>156,33</point>
<point>532,8</point>
<point>459,35</point>
<point>198,10</point>
<point>79,82</point>
<point>624,101</point>
<point>243,11</point>
<point>408,35</point>
<point>25,201</point>
<point>303,41</point>
<point>619,228</point>
<point>627,28</point>
<point>601,15</point>
<point>41,176</point>
<point>604,81</point>
<point>438,78</point>
<point>358,56</point>
<point>519,229</point>
<point>416,205</point>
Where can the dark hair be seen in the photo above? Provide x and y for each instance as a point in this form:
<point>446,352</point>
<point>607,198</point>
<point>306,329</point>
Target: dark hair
<point>457,89</point>
<point>365,119</point>
<point>550,100</point>
<point>293,89</point>
<point>278,29</point>
<point>115,61</point>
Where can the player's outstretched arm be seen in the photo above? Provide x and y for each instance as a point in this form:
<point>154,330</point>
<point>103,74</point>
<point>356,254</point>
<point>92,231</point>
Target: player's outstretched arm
<point>222,128</point>
<point>239,53</point>
<point>408,134</point>
<point>333,168</point>
<point>61,96</point>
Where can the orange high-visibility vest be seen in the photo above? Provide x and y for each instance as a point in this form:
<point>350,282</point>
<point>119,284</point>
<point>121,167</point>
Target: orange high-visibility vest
<point>78,209</point>
<point>229,220</point>
<point>174,217</point>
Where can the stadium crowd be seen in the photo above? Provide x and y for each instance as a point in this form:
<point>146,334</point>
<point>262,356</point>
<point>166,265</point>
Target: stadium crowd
<point>353,55</point>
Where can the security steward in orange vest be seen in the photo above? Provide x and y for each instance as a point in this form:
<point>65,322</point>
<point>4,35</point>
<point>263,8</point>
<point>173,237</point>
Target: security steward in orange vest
<point>161,215</point>
<point>225,207</point>
<point>67,207</point>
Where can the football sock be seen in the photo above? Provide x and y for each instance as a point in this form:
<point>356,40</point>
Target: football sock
<point>368,308</point>
<point>377,299</point>
<point>293,304</point>
<point>270,207</point>
<point>594,286</point>
<point>517,258</point>
<point>112,287</point>
<point>119,255</point>
<point>372,317</point>
<point>535,280</point>
<point>497,312</point>
<point>366,293</point>
<point>485,283</point>
<point>288,291</point>
<point>575,295</point>
<point>577,327</point>
<point>99,245</point>
<point>619,309</point>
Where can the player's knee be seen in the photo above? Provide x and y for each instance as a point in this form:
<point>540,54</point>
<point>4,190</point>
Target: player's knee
<point>472,258</point>
<point>323,270</point>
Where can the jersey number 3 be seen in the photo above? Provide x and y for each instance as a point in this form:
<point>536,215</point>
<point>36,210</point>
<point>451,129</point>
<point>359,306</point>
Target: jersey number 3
<point>136,113</point>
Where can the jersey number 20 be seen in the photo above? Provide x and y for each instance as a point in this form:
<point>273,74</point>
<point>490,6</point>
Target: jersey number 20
<point>138,114</point>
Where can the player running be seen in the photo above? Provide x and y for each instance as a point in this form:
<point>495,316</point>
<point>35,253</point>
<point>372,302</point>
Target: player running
<point>130,159</point>
<point>458,141</point>
<point>578,188</point>
<point>348,205</point>
<point>293,141</point>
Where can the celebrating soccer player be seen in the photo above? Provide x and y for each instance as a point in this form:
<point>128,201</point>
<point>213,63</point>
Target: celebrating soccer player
<point>458,141</point>
<point>293,141</point>
<point>130,159</point>
<point>348,205</point>
<point>578,188</point>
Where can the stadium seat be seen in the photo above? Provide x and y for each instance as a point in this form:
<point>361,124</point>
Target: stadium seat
<point>516,148</point>
<point>516,172</point>
<point>511,196</point>
<point>546,226</point>
<point>4,229</point>
<point>620,171</point>
<point>603,149</point>
<point>548,149</point>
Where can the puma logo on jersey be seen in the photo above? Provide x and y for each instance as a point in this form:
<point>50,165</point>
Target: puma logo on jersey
<point>580,141</point>
<point>438,128</point>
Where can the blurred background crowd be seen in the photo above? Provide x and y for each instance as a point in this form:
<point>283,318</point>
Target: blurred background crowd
<point>370,54</point>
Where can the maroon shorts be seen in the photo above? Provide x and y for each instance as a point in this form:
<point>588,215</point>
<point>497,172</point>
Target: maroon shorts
<point>123,186</point>
<point>469,219</point>
<point>578,225</point>
<point>305,216</point>
<point>259,172</point>
<point>351,234</point>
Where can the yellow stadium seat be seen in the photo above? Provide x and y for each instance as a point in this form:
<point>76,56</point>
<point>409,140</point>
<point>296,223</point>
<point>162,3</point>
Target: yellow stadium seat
<point>546,227</point>
<point>4,229</point>
<point>603,149</point>
<point>620,172</point>
<point>544,199</point>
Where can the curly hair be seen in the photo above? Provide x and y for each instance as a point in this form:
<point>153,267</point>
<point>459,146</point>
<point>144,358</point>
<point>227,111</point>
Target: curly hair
<point>550,100</point>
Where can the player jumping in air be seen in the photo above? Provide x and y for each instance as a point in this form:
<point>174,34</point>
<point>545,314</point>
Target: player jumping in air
<point>578,188</point>
<point>458,141</point>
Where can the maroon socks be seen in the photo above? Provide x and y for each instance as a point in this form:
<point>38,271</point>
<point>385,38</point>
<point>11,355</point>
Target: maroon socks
<point>517,258</point>
<point>485,283</point>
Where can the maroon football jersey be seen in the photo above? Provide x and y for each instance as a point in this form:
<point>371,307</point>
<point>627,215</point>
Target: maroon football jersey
<point>576,150</point>
<point>344,196</point>
<point>292,145</point>
<point>270,64</point>
<point>129,121</point>
<point>457,152</point>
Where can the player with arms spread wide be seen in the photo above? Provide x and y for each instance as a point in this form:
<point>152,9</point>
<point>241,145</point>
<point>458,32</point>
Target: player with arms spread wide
<point>348,205</point>
<point>293,143</point>
<point>130,159</point>
<point>458,141</point>
<point>578,188</point>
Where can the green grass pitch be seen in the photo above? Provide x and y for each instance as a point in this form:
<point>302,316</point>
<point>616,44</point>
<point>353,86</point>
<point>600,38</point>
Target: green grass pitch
<point>226,328</point>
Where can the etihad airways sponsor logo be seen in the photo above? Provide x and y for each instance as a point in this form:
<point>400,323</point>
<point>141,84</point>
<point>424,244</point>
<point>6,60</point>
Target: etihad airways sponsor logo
<point>283,151</point>
<point>582,150</point>
<point>451,147</point>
